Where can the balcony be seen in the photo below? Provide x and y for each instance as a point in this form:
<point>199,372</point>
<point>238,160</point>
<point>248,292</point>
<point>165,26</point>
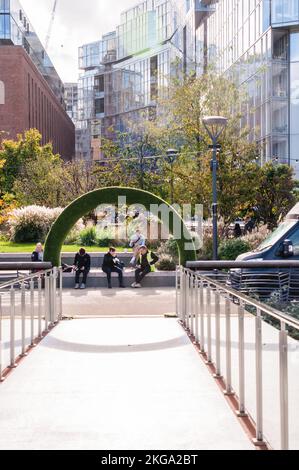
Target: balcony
<point>203,9</point>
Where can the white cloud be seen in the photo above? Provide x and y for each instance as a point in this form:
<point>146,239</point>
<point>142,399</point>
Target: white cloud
<point>76,23</point>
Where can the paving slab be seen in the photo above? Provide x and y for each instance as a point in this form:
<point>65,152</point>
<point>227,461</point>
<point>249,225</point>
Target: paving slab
<point>116,383</point>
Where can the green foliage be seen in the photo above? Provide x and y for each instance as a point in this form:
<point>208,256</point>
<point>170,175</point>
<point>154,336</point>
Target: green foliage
<point>275,196</point>
<point>166,263</point>
<point>88,237</point>
<point>290,308</point>
<point>89,202</point>
<point>16,154</point>
<point>206,252</point>
<point>230,249</point>
<point>105,237</point>
<point>169,248</point>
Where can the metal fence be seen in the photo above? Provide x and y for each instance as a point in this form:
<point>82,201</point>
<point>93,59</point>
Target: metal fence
<point>212,313</point>
<point>259,278</point>
<point>29,307</point>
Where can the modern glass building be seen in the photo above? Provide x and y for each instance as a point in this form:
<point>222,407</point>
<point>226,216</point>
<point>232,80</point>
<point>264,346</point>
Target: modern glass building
<point>256,42</point>
<point>124,72</point>
<point>16,29</point>
<point>71,100</point>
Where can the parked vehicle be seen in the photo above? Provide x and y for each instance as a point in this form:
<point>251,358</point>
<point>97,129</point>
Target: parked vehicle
<point>282,244</point>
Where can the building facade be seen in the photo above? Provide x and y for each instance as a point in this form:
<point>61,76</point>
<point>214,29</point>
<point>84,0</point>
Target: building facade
<point>124,72</point>
<point>256,43</point>
<point>32,93</point>
<point>71,100</point>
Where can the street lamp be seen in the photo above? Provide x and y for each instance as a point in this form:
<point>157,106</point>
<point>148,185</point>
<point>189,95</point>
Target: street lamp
<point>172,155</point>
<point>214,126</point>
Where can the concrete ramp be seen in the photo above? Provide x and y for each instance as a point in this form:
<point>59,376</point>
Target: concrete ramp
<point>116,383</point>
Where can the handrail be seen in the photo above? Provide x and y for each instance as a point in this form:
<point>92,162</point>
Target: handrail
<point>248,300</point>
<point>21,279</point>
<point>35,302</point>
<point>24,266</point>
<point>218,265</point>
<point>207,318</point>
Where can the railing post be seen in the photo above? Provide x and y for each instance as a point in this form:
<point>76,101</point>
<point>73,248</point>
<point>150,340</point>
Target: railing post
<point>192,304</point>
<point>187,301</point>
<point>32,312</point>
<point>284,394</point>
<point>196,280</point>
<point>202,318</point>
<point>217,333</point>
<point>47,300</point>
<point>242,410</point>
<point>228,380</point>
<point>23,318</point>
<point>1,341</point>
<point>181,295</point>
<point>182,300</point>
<point>176,291</point>
<point>51,298</point>
<point>259,377</point>
<point>209,326</point>
<point>39,284</point>
<point>12,327</point>
<point>54,295</point>
<point>61,293</point>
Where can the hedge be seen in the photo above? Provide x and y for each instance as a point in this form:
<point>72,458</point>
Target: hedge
<point>90,201</point>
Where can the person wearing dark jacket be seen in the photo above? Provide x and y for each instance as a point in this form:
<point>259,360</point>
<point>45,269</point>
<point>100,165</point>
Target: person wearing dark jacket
<point>111,264</point>
<point>38,254</point>
<point>145,264</point>
<point>81,266</point>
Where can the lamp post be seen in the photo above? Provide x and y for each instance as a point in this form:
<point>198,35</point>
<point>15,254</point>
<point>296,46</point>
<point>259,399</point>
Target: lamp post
<point>172,155</point>
<point>214,126</point>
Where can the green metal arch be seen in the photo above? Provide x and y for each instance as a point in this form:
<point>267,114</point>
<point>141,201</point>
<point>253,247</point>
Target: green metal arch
<point>90,201</point>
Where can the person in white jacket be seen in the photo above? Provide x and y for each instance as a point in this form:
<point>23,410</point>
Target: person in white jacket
<point>137,240</point>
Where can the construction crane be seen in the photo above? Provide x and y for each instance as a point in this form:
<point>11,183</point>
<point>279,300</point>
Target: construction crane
<point>51,25</point>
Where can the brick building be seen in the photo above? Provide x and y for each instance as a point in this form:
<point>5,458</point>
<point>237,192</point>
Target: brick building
<point>29,102</point>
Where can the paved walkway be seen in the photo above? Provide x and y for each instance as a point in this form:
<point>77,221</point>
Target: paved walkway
<point>116,383</point>
<point>119,302</point>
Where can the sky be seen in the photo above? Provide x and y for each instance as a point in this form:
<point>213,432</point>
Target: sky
<point>76,23</point>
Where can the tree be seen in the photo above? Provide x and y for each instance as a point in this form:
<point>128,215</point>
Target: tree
<point>179,124</point>
<point>42,182</point>
<point>16,154</point>
<point>276,193</point>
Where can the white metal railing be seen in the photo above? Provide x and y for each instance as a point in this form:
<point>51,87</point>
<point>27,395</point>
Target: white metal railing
<point>211,311</point>
<point>29,307</point>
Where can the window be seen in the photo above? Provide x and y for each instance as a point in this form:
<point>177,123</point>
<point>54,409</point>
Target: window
<point>2,93</point>
<point>99,106</point>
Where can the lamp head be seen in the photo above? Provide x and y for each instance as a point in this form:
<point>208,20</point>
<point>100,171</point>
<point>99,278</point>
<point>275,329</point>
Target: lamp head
<point>215,125</point>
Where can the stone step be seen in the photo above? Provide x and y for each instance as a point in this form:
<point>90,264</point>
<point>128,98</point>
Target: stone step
<point>99,279</point>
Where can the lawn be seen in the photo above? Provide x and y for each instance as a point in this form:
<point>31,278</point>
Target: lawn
<point>10,247</point>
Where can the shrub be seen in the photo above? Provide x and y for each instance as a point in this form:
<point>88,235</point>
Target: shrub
<point>31,224</point>
<point>206,252</point>
<point>73,237</point>
<point>105,237</point>
<point>166,263</point>
<point>169,249</point>
<point>231,249</point>
<point>88,236</point>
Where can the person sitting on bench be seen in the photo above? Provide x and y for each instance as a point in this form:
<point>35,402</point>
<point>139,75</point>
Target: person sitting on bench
<point>145,264</point>
<point>111,264</point>
<point>81,266</point>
